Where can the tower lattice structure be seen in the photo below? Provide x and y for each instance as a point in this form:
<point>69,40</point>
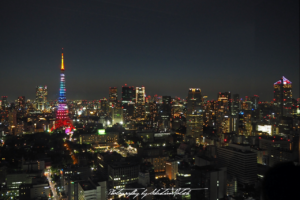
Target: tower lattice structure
<point>62,115</point>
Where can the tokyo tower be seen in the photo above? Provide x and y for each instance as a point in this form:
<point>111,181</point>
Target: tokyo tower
<point>62,115</point>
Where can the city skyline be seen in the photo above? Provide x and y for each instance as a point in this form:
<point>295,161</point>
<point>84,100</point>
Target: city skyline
<point>166,50</point>
<point>193,99</point>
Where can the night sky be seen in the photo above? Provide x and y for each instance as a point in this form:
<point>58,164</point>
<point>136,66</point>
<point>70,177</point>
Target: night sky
<point>241,46</point>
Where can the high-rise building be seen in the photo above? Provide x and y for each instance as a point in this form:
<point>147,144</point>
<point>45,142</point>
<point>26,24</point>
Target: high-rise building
<point>104,105</point>
<point>4,103</point>
<point>240,161</point>
<point>283,97</point>
<point>128,101</point>
<point>165,113</point>
<point>122,172</point>
<point>172,168</point>
<point>140,95</point>
<point>166,105</point>
<point>223,111</point>
<point>255,100</point>
<point>113,94</point>
<point>194,115</point>
<point>128,94</point>
<point>41,97</point>
<point>214,179</point>
<point>62,115</point>
<point>117,114</point>
<point>236,104</point>
<point>140,112</point>
<point>113,99</point>
<point>21,102</point>
<point>12,119</point>
<point>224,102</point>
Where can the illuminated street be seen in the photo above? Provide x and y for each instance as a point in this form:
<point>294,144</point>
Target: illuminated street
<point>52,185</point>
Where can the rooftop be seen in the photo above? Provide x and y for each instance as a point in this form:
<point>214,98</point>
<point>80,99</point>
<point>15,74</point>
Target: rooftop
<point>87,185</point>
<point>285,81</point>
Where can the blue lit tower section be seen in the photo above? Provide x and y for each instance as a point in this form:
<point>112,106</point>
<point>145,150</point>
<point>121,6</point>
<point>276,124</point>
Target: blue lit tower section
<point>62,112</point>
<point>62,115</point>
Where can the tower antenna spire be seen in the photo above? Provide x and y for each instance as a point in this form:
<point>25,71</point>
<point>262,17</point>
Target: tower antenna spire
<point>62,68</point>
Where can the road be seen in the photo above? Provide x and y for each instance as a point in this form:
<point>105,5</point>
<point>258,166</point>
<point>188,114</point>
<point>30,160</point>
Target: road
<point>75,161</point>
<point>52,185</point>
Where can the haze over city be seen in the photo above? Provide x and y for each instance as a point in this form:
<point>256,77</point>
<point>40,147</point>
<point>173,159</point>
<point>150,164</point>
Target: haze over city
<point>167,46</point>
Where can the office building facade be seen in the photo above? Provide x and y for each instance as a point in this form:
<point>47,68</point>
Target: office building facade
<point>194,114</point>
<point>41,97</point>
<point>283,97</point>
<point>140,95</point>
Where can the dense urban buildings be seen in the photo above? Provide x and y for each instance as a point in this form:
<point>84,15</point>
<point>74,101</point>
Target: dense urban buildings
<point>220,118</point>
<point>83,149</point>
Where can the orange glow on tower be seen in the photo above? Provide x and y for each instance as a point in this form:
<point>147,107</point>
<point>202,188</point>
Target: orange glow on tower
<point>62,60</point>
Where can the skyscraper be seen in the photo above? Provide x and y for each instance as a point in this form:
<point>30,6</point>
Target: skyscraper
<point>41,97</point>
<point>128,101</point>
<point>255,100</point>
<point>21,102</point>
<point>117,114</point>
<point>128,95</point>
<point>62,115</point>
<point>140,95</point>
<point>235,104</point>
<point>194,115</point>
<point>165,113</point>
<point>225,102</point>
<point>283,97</point>
<point>104,105</point>
<point>140,112</point>
<point>113,95</point>
<point>225,120</point>
<point>113,99</point>
<point>4,102</point>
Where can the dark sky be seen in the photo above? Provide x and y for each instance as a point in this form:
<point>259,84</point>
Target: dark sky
<point>241,46</point>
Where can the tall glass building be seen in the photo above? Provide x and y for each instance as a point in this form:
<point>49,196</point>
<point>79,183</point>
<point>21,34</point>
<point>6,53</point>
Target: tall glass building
<point>283,97</point>
<point>41,97</point>
<point>194,114</point>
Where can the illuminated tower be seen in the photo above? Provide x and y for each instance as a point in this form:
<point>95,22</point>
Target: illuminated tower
<point>62,115</point>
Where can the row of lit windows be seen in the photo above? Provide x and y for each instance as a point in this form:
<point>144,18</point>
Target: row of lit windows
<point>184,175</point>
